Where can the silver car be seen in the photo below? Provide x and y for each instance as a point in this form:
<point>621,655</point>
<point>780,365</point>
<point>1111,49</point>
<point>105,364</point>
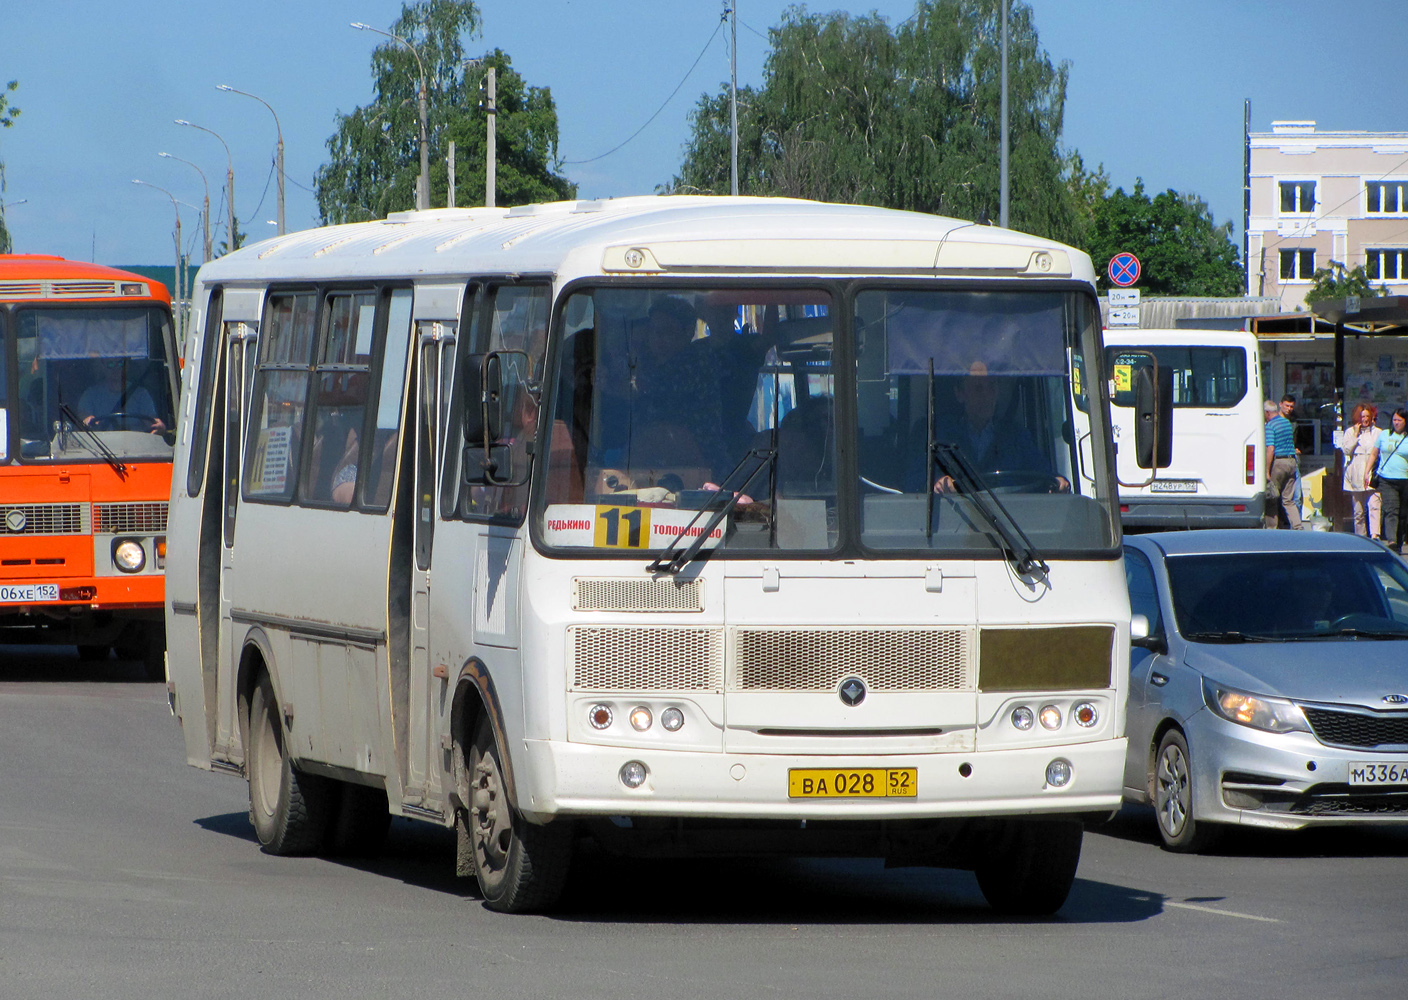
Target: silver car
<point>1269,681</point>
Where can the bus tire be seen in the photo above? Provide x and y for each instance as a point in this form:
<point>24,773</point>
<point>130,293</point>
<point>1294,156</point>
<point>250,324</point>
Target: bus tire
<point>289,809</point>
<point>1029,871</point>
<point>520,867</point>
<point>358,822</point>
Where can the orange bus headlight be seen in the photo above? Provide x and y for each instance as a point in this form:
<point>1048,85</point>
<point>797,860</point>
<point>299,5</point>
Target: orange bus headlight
<point>128,555</point>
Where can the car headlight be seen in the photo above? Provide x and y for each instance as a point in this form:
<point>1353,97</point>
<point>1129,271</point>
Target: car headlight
<point>1274,715</point>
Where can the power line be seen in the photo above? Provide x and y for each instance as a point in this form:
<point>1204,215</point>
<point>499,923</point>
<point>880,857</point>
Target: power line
<point>638,131</point>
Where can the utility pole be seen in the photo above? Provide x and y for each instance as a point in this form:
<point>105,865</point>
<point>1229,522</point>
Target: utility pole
<point>1003,196</point>
<point>205,210</point>
<point>450,175</point>
<point>491,148</point>
<point>278,155</point>
<point>732,11</point>
<point>423,183</point>
<point>1247,190</point>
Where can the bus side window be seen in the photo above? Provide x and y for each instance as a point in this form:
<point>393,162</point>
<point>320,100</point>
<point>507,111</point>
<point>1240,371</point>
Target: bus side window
<point>280,395</point>
<point>376,485</point>
<point>340,399</point>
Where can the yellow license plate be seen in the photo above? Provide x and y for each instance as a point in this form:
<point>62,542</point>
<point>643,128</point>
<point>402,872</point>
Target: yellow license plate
<point>853,783</point>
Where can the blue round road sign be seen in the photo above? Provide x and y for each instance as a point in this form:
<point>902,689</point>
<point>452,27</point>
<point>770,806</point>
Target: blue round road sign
<point>1123,269</point>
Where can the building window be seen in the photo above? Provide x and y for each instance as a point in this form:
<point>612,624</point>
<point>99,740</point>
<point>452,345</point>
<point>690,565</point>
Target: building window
<point>1387,197</point>
<point>1386,265</point>
<point>1298,196</point>
<point>1297,265</point>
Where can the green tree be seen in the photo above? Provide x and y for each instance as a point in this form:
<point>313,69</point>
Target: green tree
<point>1181,249</point>
<point>852,110</point>
<point>8,114</point>
<point>1338,282</point>
<point>375,152</point>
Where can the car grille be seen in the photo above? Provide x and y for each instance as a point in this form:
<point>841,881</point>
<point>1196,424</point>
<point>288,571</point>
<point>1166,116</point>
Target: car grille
<point>129,518</point>
<point>44,519</point>
<point>1357,729</point>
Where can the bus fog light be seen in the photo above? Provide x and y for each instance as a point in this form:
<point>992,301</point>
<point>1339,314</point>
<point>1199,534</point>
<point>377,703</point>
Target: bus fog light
<point>128,555</point>
<point>634,773</point>
<point>672,719</point>
<point>1085,714</point>
<point>599,716</point>
<point>1051,717</point>
<point>1058,773</point>
<point>640,719</point>
<point>1022,718</point>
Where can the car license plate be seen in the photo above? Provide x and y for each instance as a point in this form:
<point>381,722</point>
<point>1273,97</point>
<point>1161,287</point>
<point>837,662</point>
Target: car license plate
<point>1361,773</point>
<point>853,783</point>
<point>1174,486</point>
<point>28,593</point>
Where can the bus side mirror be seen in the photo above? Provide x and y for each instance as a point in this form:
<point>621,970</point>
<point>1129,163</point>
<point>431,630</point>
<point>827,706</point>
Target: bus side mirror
<point>483,399</point>
<point>1153,416</point>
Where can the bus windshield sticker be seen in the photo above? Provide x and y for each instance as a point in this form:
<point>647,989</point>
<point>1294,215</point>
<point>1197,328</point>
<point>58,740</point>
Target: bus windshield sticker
<point>607,526</point>
<point>83,335</point>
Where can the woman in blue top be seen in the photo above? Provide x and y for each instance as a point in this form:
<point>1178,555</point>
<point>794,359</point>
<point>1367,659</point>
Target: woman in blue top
<point>1390,459</point>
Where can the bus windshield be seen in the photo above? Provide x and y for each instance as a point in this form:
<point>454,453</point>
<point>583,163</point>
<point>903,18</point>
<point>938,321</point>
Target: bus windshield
<point>94,380</point>
<point>668,404</point>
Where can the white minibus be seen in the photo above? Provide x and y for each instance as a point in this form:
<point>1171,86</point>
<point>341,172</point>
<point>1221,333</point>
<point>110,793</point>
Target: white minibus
<point>1212,473</point>
<point>688,525</point>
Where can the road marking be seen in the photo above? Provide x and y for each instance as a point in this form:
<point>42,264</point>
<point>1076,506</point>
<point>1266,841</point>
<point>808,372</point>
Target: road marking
<point>1222,913</point>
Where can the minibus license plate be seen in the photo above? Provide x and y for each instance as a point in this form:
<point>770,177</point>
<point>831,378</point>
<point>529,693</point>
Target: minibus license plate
<point>849,783</point>
<point>26,593</point>
<point>1174,486</point>
<point>1361,773</point>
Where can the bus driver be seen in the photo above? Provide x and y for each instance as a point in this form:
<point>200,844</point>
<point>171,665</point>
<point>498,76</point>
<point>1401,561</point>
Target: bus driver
<point>111,402</point>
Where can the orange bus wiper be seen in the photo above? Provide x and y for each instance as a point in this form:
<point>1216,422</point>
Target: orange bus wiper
<point>103,451</point>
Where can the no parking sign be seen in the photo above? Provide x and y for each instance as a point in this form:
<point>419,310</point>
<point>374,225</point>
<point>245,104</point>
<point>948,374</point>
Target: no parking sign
<point>1123,269</point>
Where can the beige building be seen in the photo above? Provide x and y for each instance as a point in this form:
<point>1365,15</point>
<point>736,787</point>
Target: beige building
<point>1318,196</point>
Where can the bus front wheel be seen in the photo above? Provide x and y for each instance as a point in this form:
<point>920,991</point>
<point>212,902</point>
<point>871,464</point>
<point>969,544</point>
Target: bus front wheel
<point>1029,870</point>
<point>289,809</point>
<point>520,867</point>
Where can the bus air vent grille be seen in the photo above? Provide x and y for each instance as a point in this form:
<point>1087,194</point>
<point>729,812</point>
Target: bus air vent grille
<point>819,659</point>
<point>44,519</point>
<point>129,518</point>
<point>646,659</point>
<point>590,594</point>
<point>21,289</point>
<point>81,289</point>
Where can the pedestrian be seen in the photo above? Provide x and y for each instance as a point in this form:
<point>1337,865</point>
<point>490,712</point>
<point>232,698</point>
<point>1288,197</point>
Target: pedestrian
<point>1281,509</point>
<point>1357,444</point>
<point>1390,460</point>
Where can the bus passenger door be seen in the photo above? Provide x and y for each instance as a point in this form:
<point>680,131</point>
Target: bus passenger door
<point>435,353</point>
<point>239,346</point>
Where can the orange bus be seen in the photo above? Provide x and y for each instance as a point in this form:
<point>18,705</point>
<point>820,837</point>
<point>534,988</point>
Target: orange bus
<point>87,428</point>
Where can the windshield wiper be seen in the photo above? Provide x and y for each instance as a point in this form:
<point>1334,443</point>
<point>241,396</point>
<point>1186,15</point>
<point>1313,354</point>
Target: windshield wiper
<point>95,443</point>
<point>766,459</point>
<point>1351,631</point>
<point>1232,636</point>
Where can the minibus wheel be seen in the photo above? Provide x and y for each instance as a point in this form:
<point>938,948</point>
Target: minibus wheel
<point>520,866</point>
<point>1029,870</point>
<point>289,809</point>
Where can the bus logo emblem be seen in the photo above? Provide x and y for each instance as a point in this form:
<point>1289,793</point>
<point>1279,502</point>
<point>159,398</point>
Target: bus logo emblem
<point>852,691</point>
<point>15,519</point>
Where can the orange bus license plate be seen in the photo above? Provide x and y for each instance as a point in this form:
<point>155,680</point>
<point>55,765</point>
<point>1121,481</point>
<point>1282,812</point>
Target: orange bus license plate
<point>856,783</point>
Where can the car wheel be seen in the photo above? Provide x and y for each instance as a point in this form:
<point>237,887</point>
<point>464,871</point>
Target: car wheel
<point>1028,871</point>
<point>520,866</point>
<point>1173,798</point>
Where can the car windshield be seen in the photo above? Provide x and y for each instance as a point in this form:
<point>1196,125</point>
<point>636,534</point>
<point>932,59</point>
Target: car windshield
<point>94,384</point>
<point>1289,595</point>
<point>666,404</point>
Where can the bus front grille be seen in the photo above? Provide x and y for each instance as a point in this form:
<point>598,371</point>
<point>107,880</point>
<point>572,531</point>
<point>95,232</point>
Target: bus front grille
<point>129,518</point>
<point>615,594</point>
<point>819,659</point>
<point>606,658</point>
<point>44,519</point>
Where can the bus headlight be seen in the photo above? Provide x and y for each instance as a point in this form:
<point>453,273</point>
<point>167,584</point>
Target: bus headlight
<point>128,555</point>
<point>640,719</point>
<point>672,719</point>
<point>1051,717</point>
<point>1022,718</point>
<point>633,774</point>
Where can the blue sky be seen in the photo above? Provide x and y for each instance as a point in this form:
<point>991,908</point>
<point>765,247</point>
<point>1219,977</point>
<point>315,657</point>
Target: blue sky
<point>1156,91</point>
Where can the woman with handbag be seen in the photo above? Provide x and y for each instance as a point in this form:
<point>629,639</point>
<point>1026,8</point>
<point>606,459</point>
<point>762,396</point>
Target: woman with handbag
<point>1389,460</point>
<point>1357,443</point>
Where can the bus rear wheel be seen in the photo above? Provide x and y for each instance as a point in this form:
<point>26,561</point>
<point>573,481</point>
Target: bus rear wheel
<point>289,809</point>
<point>520,867</point>
<point>1029,870</point>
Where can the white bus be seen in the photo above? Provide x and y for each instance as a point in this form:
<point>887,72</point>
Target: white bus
<point>1212,473</point>
<point>617,520</point>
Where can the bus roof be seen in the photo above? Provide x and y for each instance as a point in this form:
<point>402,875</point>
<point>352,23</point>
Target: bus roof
<point>675,234</point>
<point>44,276</point>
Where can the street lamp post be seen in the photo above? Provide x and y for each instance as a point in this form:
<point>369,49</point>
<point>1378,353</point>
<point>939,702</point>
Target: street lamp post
<point>205,210</point>
<point>229,179</point>
<point>180,284</point>
<point>423,185</point>
<point>279,154</point>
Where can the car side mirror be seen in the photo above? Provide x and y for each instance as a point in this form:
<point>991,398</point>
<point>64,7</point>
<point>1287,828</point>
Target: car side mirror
<point>1140,636</point>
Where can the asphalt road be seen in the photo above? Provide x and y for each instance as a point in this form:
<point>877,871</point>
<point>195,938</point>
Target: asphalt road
<point>125,873</point>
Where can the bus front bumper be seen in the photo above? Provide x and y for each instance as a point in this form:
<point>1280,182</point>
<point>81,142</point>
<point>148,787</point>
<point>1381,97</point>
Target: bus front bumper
<point>573,779</point>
